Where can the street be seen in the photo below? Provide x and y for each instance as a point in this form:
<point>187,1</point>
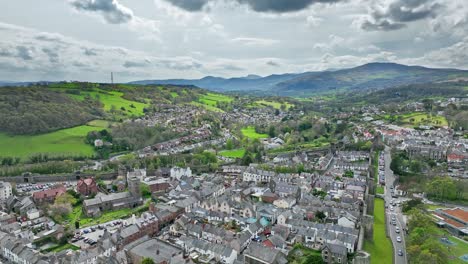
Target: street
<point>394,212</point>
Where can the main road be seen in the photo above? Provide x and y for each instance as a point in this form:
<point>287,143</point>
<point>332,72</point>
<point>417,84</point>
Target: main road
<point>394,211</point>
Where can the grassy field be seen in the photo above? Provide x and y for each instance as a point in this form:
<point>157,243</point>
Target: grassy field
<point>61,248</point>
<point>381,249</point>
<point>174,94</point>
<point>68,141</point>
<point>113,99</point>
<point>77,214</point>
<point>251,133</point>
<point>417,119</point>
<point>276,105</point>
<point>235,153</point>
<point>207,107</point>
<point>213,99</point>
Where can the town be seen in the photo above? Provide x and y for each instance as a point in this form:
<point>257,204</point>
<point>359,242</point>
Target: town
<point>318,205</point>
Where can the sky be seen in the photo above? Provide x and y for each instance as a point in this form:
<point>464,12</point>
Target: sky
<point>85,40</point>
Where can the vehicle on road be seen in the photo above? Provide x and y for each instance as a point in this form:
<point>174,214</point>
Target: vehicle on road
<point>400,252</point>
<point>397,230</point>
<point>398,239</point>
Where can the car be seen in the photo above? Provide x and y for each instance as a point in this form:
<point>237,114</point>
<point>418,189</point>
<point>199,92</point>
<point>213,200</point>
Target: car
<point>400,252</point>
<point>393,218</point>
<point>398,239</point>
<point>391,208</point>
<point>397,230</point>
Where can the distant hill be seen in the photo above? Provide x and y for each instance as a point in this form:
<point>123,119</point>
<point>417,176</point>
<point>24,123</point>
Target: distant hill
<point>365,77</point>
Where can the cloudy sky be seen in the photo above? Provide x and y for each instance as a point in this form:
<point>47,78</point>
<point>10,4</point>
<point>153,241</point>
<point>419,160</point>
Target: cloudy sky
<point>161,39</point>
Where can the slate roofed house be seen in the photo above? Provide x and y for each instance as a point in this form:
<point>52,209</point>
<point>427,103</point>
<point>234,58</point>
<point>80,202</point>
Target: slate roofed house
<point>258,254</point>
<point>334,253</point>
<point>87,186</point>
<point>49,195</point>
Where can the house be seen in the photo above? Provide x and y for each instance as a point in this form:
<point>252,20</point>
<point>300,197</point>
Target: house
<point>210,252</point>
<point>161,185</point>
<point>334,253</point>
<point>259,254</point>
<point>177,173</point>
<point>5,190</point>
<point>161,252</point>
<point>285,203</point>
<point>49,195</point>
<point>140,174</point>
<point>87,186</point>
<point>283,217</point>
<point>14,250</point>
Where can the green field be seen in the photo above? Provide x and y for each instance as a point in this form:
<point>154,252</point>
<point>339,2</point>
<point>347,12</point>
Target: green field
<point>381,249</point>
<point>207,107</point>
<point>174,94</point>
<point>417,119</point>
<point>235,153</point>
<point>276,105</point>
<point>213,99</point>
<point>251,133</point>
<point>68,141</point>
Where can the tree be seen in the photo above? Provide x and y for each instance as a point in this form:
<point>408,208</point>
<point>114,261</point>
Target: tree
<point>314,259</point>
<point>229,144</point>
<point>272,131</point>
<point>147,261</point>
<point>320,215</point>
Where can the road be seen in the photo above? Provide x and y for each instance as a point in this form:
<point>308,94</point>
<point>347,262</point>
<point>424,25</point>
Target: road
<point>396,212</point>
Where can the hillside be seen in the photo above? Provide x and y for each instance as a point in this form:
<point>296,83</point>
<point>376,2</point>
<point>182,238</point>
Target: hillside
<point>365,77</point>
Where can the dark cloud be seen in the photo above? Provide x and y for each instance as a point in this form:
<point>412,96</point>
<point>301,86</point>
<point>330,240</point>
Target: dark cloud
<point>230,67</point>
<point>24,53</point>
<point>136,64</point>
<point>90,52</point>
<point>383,25</point>
<point>272,63</point>
<point>52,54</point>
<point>112,11</point>
<point>274,6</point>
<point>396,14</point>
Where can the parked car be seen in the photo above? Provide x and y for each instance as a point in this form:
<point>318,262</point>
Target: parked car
<point>400,252</point>
<point>397,230</point>
<point>398,239</point>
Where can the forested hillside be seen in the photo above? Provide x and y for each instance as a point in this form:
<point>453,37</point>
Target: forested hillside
<point>33,110</point>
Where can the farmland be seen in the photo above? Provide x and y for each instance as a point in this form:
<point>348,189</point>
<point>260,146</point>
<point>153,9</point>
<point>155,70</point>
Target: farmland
<point>276,105</point>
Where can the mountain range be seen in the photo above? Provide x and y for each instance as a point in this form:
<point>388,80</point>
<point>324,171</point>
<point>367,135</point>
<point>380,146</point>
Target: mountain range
<point>365,77</point>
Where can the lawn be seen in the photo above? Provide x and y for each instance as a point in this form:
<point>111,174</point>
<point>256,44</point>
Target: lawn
<point>381,249</point>
<point>108,216</point>
<point>69,141</point>
<point>174,94</point>
<point>380,189</point>
<point>235,153</point>
<point>251,133</point>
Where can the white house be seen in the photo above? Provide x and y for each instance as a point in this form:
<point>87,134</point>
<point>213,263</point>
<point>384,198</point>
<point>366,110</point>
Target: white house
<point>177,173</point>
<point>5,190</point>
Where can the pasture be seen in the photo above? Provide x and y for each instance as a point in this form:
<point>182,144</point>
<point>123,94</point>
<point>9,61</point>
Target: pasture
<point>69,141</point>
